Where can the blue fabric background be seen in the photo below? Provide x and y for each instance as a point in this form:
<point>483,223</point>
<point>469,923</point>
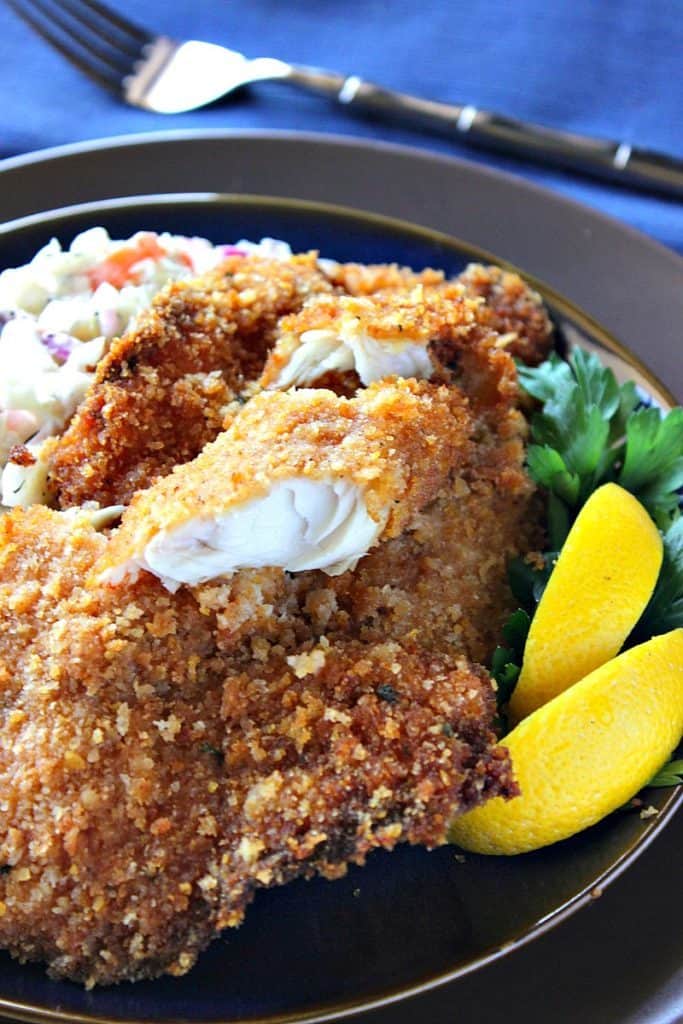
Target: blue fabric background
<point>606,67</point>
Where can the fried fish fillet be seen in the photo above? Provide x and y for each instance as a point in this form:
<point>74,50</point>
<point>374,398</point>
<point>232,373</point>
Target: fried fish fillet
<point>161,391</point>
<point>444,578</point>
<point>163,755</point>
<point>436,333</point>
<point>515,309</point>
<point>152,781</point>
<point>382,335</point>
<point>302,480</point>
<point>443,581</point>
<point>459,510</point>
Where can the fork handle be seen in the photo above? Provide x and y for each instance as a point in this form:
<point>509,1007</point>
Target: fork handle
<point>619,161</point>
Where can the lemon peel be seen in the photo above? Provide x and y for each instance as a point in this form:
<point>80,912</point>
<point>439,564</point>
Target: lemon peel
<point>585,753</point>
<point>599,588</point>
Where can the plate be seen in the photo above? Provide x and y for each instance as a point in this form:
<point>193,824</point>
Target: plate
<point>410,919</point>
<point>629,283</point>
<point>418,918</point>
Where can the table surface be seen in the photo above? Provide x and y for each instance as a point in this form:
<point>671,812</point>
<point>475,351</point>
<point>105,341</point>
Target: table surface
<point>592,68</point>
<point>603,69</point>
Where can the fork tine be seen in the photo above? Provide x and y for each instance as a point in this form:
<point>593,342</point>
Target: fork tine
<point>90,42</point>
<point>104,77</point>
<point>101,19</point>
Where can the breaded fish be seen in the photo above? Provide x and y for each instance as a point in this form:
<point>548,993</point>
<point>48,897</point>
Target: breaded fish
<point>383,335</point>
<point>515,308</point>
<point>151,780</point>
<point>344,342</point>
<point>161,391</point>
<point>443,580</point>
<point>302,480</point>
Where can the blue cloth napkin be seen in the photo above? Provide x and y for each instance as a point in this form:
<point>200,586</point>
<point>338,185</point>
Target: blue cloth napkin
<point>605,69</point>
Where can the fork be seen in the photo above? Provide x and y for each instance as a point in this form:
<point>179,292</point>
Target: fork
<point>168,77</point>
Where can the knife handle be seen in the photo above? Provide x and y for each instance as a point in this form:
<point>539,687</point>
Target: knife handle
<point>618,161</point>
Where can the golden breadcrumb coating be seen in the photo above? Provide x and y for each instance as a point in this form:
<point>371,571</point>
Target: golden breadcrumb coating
<point>515,308</point>
<point>161,391</point>
<point>396,442</point>
<point>463,347</point>
<point>443,581</point>
<point>392,318</point>
<point>368,278</point>
<point>416,315</point>
<point>152,779</point>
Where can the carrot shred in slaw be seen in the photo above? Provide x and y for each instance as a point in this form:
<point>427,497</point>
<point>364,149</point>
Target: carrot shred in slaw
<point>117,268</point>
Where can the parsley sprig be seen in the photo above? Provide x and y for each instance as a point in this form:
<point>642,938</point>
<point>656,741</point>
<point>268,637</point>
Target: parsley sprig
<point>591,430</point>
<point>665,609</point>
<point>507,658</point>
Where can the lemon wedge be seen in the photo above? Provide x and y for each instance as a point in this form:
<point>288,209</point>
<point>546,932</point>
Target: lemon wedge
<point>585,753</point>
<point>598,590</point>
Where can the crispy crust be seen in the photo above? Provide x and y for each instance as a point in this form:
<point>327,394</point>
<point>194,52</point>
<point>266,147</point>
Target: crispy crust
<point>161,391</point>
<point>369,278</point>
<point>396,442</point>
<point>419,316</point>
<point>514,308</point>
<point>153,779</point>
<point>459,332</point>
<point>442,582</point>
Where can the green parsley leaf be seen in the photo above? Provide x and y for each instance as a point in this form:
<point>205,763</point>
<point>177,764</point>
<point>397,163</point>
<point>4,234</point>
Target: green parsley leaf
<point>527,582</point>
<point>580,425</point>
<point>597,384</point>
<point>665,609</point>
<point>506,662</point>
<point>628,401</point>
<point>671,774</point>
<point>505,672</point>
<point>516,630</point>
<point>548,468</point>
<point>653,461</point>
<point>590,431</point>
<point>559,522</point>
<point>548,380</point>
